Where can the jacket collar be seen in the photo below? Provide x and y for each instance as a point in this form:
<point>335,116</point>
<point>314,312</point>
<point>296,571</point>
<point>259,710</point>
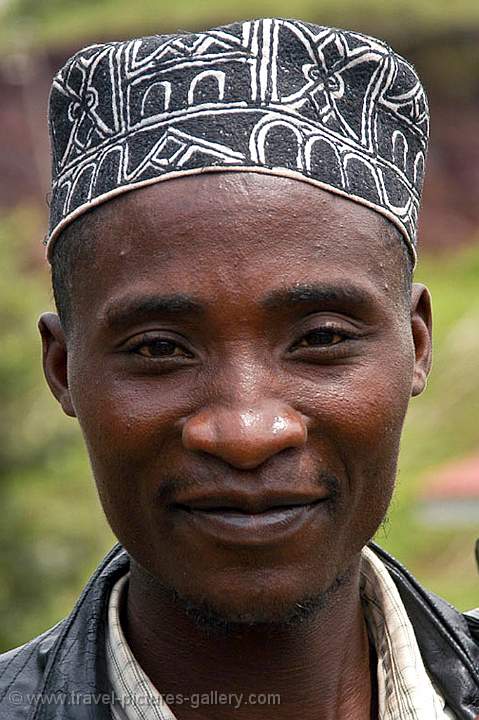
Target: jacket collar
<point>75,664</point>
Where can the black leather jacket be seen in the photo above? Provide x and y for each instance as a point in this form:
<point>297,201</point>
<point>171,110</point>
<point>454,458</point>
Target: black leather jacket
<point>66,667</point>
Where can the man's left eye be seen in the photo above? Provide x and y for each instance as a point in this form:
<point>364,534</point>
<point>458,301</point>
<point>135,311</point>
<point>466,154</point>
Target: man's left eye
<point>323,337</point>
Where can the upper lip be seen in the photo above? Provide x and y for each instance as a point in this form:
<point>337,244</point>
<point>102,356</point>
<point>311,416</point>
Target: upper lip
<point>248,503</point>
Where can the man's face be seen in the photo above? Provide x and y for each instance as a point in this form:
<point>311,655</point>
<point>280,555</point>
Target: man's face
<point>240,363</point>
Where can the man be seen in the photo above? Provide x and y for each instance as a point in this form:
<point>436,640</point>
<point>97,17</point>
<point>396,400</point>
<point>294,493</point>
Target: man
<point>240,345</point>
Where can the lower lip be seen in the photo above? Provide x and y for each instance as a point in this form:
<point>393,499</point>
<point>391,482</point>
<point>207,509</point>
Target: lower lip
<point>238,528</point>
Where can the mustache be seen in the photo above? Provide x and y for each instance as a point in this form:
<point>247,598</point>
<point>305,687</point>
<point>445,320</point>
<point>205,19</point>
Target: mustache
<point>223,482</point>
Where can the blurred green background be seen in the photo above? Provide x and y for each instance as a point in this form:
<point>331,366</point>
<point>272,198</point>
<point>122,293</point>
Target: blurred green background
<point>52,531</point>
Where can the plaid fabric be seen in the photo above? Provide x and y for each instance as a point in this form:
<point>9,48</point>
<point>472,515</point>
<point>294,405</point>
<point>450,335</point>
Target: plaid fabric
<point>405,689</point>
<point>135,697</point>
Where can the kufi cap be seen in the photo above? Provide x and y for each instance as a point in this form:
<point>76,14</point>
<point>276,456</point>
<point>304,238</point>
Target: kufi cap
<point>334,108</point>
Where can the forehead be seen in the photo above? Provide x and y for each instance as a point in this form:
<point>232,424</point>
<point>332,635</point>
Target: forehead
<point>234,231</point>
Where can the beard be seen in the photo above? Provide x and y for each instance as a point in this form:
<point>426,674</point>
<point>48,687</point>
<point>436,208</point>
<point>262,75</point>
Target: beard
<point>213,621</point>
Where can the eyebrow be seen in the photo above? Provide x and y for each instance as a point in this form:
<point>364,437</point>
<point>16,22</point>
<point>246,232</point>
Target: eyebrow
<point>124,311</point>
<point>308,294</point>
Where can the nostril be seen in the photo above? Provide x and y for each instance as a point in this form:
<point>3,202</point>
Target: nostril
<point>199,433</point>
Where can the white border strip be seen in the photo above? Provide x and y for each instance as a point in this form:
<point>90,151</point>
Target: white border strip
<point>281,172</point>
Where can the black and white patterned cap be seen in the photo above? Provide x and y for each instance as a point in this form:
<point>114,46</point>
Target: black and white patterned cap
<point>334,108</point>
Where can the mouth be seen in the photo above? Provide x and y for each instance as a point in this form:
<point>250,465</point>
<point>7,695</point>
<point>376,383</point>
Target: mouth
<point>251,521</point>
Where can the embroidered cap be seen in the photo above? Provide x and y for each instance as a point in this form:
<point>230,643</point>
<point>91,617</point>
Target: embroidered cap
<point>334,108</point>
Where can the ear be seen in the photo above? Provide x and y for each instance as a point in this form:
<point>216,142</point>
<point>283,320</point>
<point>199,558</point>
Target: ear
<point>421,326</point>
<point>55,357</point>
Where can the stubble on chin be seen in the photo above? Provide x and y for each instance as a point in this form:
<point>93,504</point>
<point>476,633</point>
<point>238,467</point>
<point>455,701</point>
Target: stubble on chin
<point>214,621</point>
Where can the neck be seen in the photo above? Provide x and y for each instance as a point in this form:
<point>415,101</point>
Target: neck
<point>318,668</point>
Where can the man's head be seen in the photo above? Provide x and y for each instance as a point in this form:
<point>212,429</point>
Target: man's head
<point>225,352</point>
<point>239,343</point>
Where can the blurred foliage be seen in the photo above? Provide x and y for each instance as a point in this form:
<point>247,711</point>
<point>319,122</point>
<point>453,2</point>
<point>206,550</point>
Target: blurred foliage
<point>60,22</point>
<point>53,532</point>
<point>442,426</point>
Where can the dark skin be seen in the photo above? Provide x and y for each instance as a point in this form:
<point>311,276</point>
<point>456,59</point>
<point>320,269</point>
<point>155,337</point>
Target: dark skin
<point>242,398</point>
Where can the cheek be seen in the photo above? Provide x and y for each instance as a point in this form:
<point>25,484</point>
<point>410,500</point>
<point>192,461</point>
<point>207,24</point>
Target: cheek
<point>129,428</point>
<point>123,416</point>
<point>368,400</point>
<point>372,415</point>
<point>362,405</point>
<point>372,407</point>
<point>357,416</point>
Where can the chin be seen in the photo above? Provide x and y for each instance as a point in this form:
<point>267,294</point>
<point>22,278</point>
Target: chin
<point>262,610</point>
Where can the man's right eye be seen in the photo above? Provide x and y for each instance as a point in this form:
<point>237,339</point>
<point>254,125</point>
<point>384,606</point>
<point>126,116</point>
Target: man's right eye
<point>153,348</point>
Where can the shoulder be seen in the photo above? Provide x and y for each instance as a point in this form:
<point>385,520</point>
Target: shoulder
<point>21,673</point>
<point>448,639</point>
<point>424,606</point>
<point>54,663</point>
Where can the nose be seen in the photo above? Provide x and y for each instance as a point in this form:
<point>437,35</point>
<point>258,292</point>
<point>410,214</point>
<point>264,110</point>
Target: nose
<point>245,438</point>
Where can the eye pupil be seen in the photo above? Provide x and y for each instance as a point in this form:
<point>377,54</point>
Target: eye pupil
<point>321,337</point>
<point>160,347</point>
